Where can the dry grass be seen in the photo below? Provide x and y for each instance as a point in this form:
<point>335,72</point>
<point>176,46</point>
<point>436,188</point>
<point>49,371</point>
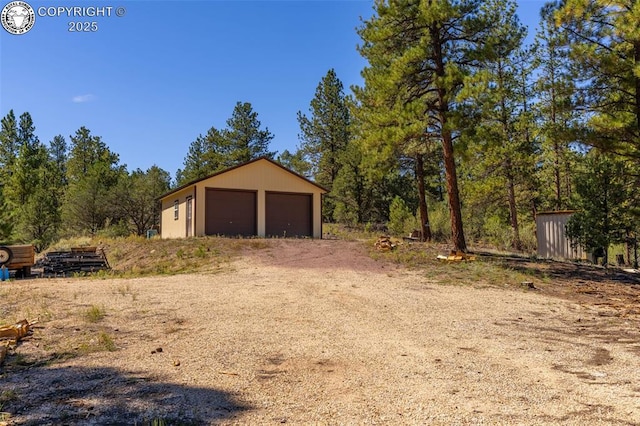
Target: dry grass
<point>137,256</point>
<point>485,271</point>
<point>94,314</point>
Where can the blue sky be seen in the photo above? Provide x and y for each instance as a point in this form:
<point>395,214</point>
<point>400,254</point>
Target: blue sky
<point>151,81</point>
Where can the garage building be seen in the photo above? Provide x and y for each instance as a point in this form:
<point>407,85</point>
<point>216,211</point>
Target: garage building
<point>259,197</point>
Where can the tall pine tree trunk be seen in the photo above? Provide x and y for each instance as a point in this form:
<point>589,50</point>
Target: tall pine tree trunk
<point>636,48</point>
<point>556,174</point>
<point>508,165</point>
<point>556,145</point>
<point>513,210</point>
<point>424,212</point>
<point>457,231</point>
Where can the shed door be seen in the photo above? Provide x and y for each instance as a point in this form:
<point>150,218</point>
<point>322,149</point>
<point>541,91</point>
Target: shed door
<point>189,216</point>
<point>288,215</point>
<point>230,212</point>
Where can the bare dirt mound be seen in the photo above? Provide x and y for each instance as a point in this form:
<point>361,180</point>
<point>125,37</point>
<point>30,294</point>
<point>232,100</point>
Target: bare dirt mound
<point>317,254</point>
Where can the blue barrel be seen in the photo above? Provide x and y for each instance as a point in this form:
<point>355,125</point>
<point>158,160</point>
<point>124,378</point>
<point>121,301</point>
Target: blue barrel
<point>4,274</point>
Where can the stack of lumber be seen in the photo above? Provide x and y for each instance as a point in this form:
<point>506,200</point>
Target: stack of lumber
<point>77,260</point>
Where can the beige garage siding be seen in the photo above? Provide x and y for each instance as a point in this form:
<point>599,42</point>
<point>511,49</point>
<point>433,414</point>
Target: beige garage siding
<point>172,227</point>
<point>261,176</point>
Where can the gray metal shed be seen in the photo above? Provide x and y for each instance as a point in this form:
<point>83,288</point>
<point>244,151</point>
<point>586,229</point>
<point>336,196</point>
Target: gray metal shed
<point>552,240</point>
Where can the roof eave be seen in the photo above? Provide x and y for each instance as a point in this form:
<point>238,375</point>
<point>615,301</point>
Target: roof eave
<point>186,185</point>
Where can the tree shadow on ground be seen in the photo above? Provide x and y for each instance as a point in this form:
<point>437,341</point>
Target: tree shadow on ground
<point>51,395</point>
<point>562,270</point>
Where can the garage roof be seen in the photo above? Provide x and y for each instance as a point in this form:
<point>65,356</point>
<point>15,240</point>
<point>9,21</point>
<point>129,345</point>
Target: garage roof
<point>299,176</point>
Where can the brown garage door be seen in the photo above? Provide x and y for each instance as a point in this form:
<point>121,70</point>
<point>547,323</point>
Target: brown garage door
<point>230,212</point>
<point>288,215</point>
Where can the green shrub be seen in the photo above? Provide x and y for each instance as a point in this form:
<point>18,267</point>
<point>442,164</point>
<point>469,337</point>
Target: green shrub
<point>399,216</point>
<point>497,233</point>
<point>344,214</point>
<point>528,235</point>
<point>115,230</point>
<point>440,221</point>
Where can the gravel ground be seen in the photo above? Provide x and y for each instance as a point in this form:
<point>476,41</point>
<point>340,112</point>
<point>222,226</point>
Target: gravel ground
<point>316,332</point>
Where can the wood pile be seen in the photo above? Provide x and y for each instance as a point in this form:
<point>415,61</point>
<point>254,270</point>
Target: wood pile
<point>11,334</point>
<point>77,260</point>
<point>456,256</point>
<point>385,243</point>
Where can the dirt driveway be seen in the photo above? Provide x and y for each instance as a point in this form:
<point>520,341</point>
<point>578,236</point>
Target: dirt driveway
<point>316,332</point>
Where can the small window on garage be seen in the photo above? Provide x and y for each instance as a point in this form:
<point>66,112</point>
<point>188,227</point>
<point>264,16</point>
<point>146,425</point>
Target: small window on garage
<point>176,209</point>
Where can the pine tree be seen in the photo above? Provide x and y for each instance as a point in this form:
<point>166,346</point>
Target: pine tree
<point>396,142</point>
<point>8,146</point>
<point>350,189</point>
<point>296,162</point>
<point>605,50</point>
<point>241,141</point>
<point>421,54</point>
<point>92,172</point>
<point>604,44</point>
<point>136,198</point>
<point>86,151</point>
<point>245,140</point>
<point>6,223</point>
<point>603,187</point>
<point>22,182</point>
<point>58,156</point>
<point>500,154</point>
<point>325,135</point>
<point>206,156</point>
<point>31,189</point>
<point>556,108</point>
<point>41,213</point>
<point>8,154</point>
<point>399,214</point>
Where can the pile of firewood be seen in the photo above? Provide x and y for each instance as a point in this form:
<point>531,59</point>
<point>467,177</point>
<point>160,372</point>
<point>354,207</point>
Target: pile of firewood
<point>11,334</point>
<point>385,243</point>
<point>77,260</point>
